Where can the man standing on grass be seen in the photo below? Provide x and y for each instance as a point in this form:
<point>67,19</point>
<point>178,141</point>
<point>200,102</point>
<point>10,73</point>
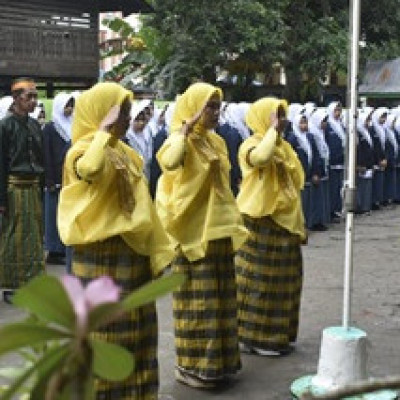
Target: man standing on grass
<point>21,175</point>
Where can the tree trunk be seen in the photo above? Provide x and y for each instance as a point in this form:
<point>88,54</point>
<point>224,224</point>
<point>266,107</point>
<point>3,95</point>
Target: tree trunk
<point>293,88</point>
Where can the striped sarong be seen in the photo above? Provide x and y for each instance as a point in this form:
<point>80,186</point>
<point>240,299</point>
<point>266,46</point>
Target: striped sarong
<point>21,238</point>
<point>137,332</point>
<point>269,279</point>
<point>205,314</point>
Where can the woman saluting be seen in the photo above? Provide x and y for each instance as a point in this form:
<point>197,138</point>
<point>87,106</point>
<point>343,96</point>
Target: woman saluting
<point>269,265</point>
<point>198,210</point>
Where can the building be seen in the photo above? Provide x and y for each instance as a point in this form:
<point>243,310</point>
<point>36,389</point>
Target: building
<point>54,41</point>
<point>381,83</point>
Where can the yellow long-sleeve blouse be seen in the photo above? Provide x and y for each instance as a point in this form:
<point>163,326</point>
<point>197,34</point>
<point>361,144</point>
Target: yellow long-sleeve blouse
<point>272,175</point>
<point>105,194</point>
<point>193,198</point>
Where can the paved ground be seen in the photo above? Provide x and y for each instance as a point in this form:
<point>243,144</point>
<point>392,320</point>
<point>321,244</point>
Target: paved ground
<point>376,309</point>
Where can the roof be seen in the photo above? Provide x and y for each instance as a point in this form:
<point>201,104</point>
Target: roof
<point>126,6</point>
<point>381,79</point>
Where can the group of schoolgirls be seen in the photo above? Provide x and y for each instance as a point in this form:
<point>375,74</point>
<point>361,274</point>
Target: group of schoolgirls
<point>241,256</point>
<point>318,136</point>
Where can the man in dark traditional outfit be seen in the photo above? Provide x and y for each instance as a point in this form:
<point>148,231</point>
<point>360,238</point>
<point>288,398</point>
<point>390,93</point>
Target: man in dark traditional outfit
<point>21,172</point>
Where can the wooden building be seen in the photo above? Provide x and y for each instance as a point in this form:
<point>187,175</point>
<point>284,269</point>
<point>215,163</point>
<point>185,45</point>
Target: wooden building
<point>54,41</point>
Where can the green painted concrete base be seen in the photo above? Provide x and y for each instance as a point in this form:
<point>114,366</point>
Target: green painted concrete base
<point>303,385</point>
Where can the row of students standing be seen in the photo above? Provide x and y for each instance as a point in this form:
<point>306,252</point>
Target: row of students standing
<point>318,136</point>
<point>378,157</point>
<point>197,226</point>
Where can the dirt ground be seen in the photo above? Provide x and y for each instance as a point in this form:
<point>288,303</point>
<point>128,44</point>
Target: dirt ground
<point>375,309</point>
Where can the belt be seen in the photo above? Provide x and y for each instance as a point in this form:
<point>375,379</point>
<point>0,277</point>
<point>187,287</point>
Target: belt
<point>23,179</point>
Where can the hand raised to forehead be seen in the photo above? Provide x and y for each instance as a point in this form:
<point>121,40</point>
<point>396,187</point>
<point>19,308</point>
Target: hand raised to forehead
<point>274,120</point>
<point>187,126</point>
<point>110,119</point>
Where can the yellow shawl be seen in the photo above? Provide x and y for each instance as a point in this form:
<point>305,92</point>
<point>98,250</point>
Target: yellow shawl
<point>194,201</point>
<point>272,189</point>
<point>117,201</point>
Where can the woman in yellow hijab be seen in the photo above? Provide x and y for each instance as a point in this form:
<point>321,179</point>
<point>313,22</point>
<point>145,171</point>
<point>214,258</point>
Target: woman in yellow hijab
<point>269,265</point>
<point>199,212</point>
<point>106,214</point>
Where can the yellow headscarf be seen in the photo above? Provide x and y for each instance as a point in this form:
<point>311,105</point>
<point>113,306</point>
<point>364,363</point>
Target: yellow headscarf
<point>272,189</point>
<point>118,202</point>
<point>195,202</point>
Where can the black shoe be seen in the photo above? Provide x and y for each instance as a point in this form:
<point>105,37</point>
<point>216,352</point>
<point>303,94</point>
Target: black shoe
<point>7,296</point>
<point>375,206</point>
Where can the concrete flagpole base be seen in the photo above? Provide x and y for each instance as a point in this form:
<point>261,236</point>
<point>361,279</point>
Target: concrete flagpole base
<point>343,361</point>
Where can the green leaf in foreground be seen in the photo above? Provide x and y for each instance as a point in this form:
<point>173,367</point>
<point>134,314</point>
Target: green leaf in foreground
<point>21,334</point>
<point>102,314</point>
<point>46,297</point>
<point>110,361</point>
<point>149,292</point>
<point>48,362</point>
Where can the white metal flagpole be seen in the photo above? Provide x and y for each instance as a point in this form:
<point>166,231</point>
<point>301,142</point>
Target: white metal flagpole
<point>343,354</point>
<point>350,188</point>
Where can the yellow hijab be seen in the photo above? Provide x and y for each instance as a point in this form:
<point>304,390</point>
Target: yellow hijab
<point>272,189</point>
<point>195,202</point>
<point>118,203</point>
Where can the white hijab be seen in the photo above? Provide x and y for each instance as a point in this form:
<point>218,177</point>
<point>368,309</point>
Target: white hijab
<point>336,124</point>
<point>62,123</point>
<point>315,128</point>
<point>140,141</point>
<point>5,103</point>
<point>234,115</point>
<point>168,115</point>
<point>397,124</point>
<point>302,136</point>
<point>364,132</point>
<point>309,108</point>
<point>391,136</point>
<point>379,129</point>
<point>294,109</point>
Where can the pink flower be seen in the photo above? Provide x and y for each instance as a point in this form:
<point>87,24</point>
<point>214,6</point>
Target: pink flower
<point>99,291</point>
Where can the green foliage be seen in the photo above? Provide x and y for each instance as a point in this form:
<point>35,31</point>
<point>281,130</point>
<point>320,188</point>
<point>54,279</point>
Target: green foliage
<point>187,41</point>
<point>23,334</point>
<point>110,361</point>
<point>65,357</point>
<point>150,291</point>
<point>46,298</point>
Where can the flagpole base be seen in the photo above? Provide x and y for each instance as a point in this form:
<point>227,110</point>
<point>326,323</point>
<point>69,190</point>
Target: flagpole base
<point>304,385</point>
<point>343,361</point>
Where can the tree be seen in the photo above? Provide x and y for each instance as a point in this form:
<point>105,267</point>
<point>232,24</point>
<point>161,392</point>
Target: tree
<point>191,41</point>
<point>315,45</point>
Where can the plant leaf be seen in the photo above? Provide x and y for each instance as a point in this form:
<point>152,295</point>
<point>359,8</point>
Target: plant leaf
<point>45,297</point>
<point>21,334</point>
<point>50,361</point>
<point>152,290</point>
<point>111,361</point>
<point>102,314</point>
<point>11,372</point>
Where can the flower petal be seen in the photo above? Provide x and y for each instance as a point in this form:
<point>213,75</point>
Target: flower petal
<point>73,287</point>
<point>102,290</point>
<point>76,293</point>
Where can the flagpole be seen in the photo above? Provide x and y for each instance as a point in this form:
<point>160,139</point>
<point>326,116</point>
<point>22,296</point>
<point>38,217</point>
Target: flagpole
<point>350,186</point>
